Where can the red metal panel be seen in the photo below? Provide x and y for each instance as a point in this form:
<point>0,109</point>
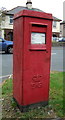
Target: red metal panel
<point>18,61</point>
<point>31,62</point>
<point>36,67</point>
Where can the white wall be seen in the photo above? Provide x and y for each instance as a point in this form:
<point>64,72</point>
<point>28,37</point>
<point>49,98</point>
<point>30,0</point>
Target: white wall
<point>57,28</point>
<point>6,24</point>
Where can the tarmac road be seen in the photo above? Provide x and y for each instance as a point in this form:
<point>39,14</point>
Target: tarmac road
<point>57,62</point>
<point>6,66</point>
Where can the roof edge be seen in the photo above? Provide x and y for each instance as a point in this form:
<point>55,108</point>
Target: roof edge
<point>29,13</point>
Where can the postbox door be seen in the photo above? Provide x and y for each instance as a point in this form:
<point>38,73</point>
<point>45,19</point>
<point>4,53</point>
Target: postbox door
<point>37,50</point>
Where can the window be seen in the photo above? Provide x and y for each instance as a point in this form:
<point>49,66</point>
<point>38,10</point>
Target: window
<point>11,19</point>
<point>54,23</point>
<point>64,26</point>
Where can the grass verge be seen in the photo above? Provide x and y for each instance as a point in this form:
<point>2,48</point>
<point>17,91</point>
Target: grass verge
<point>53,110</point>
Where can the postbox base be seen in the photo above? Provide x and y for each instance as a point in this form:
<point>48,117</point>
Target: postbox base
<point>31,106</point>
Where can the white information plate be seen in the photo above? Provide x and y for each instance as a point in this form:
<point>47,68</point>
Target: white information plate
<point>37,38</point>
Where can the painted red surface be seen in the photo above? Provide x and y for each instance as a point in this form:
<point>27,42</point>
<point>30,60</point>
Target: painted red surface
<point>31,73</point>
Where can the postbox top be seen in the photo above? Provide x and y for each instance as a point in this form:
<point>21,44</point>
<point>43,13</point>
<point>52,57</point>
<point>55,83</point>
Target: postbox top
<point>31,13</point>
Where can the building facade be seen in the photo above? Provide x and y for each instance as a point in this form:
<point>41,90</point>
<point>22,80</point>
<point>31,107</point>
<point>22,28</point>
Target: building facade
<point>7,27</point>
<point>62,29</point>
<point>7,23</point>
<point>56,27</point>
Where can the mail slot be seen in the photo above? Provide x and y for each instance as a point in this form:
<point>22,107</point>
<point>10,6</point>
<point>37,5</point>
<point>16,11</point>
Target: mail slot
<point>31,58</point>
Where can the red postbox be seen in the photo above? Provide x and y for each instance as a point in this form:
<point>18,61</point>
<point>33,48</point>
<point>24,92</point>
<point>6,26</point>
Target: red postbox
<point>32,53</point>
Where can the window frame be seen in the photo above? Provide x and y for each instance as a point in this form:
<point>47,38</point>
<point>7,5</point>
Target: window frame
<point>54,24</point>
<point>11,19</point>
